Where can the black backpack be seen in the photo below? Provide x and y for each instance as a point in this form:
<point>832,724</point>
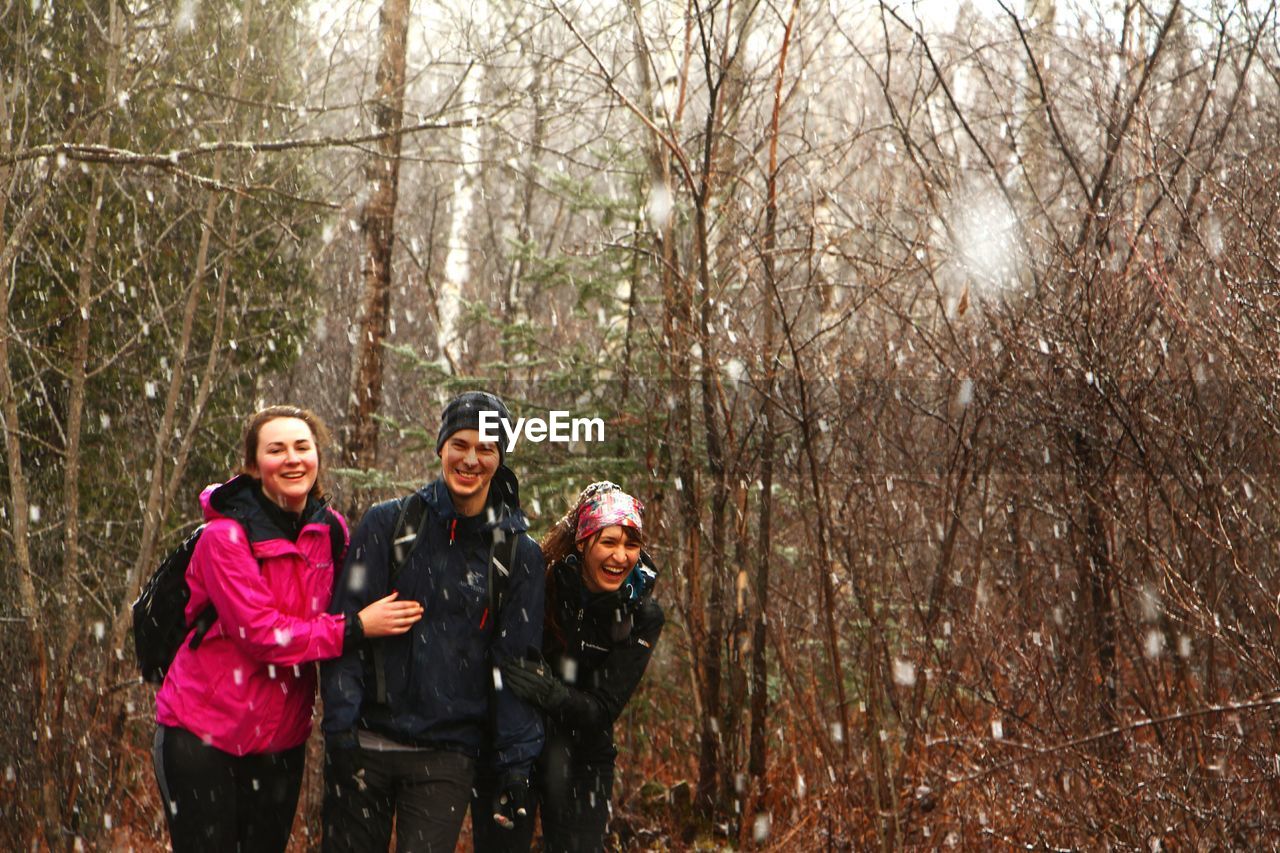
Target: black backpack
<point>159,614</point>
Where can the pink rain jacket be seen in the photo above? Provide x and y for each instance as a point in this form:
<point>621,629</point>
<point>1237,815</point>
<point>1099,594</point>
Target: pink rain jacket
<point>250,685</point>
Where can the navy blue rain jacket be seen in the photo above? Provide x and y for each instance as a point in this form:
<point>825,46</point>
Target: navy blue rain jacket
<point>439,675</point>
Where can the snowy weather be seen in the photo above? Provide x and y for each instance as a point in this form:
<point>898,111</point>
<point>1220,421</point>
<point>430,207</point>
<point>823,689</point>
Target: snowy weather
<point>888,403</point>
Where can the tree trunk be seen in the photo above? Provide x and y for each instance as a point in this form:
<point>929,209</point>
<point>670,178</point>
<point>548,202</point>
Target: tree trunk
<point>1098,576</point>
<point>457,262</point>
<point>20,513</point>
<point>514,310</point>
<point>757,764</point>
<point>378,224</point>
<point>709,761</point>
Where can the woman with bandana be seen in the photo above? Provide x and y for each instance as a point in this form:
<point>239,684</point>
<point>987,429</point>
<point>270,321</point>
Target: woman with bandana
<point>600,630</point>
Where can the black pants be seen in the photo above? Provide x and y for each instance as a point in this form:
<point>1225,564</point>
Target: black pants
<point>426,791</point>
<point>215,801</point>
<point>573,798</point>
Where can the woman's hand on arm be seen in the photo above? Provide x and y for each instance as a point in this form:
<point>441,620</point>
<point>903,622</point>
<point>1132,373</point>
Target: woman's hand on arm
<point>388,617</point>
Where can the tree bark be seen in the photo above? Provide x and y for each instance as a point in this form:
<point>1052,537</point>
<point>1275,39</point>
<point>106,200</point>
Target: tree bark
<point>1097,572</point>
<point>457,262</point>
<point>378,225</point>
<point>757,763</point>
<point>20,503</point>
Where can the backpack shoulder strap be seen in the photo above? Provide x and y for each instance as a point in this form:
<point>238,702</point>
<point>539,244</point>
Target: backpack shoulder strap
<point>405,535</point>
<point>337,543</point>
<point>502,562</point>
<point>404,538</point>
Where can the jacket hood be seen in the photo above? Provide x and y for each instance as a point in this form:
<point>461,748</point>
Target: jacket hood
<point>503,508</point>
<point>240,499</point>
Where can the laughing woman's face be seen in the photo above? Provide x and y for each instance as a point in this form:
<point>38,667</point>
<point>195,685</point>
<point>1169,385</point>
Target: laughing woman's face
<point>287,462</point>
<point>609,558</point>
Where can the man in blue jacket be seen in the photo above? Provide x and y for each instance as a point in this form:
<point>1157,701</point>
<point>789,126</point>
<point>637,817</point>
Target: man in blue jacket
<point>405,718</point>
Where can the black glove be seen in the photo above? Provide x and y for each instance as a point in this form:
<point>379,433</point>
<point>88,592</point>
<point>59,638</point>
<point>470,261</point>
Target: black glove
<point>533,682</point>
<point>347,740</point>
<point>343,768</point>
<point>510,798</point>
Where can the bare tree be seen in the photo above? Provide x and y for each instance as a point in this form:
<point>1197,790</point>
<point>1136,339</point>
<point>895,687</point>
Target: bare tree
<point>378,223</point>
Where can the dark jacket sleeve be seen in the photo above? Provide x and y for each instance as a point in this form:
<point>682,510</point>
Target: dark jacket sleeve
<point>363,580</point>
<point>518,737</point>
<point>599,704</point>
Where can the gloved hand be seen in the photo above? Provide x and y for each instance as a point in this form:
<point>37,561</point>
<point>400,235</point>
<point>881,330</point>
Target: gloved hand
<point>343,768</point>
<point>533,682</point>
<point>510,799</point>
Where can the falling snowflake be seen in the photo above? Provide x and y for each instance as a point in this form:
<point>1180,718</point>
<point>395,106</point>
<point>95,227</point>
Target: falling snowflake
<point>904,673</point>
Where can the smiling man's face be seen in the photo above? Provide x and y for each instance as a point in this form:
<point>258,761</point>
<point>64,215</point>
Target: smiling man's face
<point>469,465</point>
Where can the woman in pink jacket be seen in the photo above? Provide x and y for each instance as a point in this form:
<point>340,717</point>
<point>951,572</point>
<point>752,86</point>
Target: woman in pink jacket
<point>235,712</point>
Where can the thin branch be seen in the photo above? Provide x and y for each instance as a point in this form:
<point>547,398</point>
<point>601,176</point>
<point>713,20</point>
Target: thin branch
<point>86,153</point>
<point>1033,752</point>
<point>667,142</point>
<point>1063,144</point>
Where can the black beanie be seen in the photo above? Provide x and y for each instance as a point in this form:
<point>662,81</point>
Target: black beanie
<point>463,412</point>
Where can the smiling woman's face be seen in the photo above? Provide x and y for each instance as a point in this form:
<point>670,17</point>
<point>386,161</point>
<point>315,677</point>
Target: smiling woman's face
<point>286,462</point>
<point>609,557</point>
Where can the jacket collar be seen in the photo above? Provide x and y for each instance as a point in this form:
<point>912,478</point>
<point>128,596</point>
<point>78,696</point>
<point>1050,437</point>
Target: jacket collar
<point>637,588</point>
<point>240,499</point>
<point>502,511</point>
<point>571,588</point>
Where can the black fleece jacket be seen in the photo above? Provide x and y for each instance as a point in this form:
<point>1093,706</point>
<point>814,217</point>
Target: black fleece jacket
<point>599,647</point>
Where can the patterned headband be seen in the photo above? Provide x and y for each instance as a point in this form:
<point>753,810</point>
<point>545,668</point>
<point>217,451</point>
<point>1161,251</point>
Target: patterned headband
<point>603,505</point>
